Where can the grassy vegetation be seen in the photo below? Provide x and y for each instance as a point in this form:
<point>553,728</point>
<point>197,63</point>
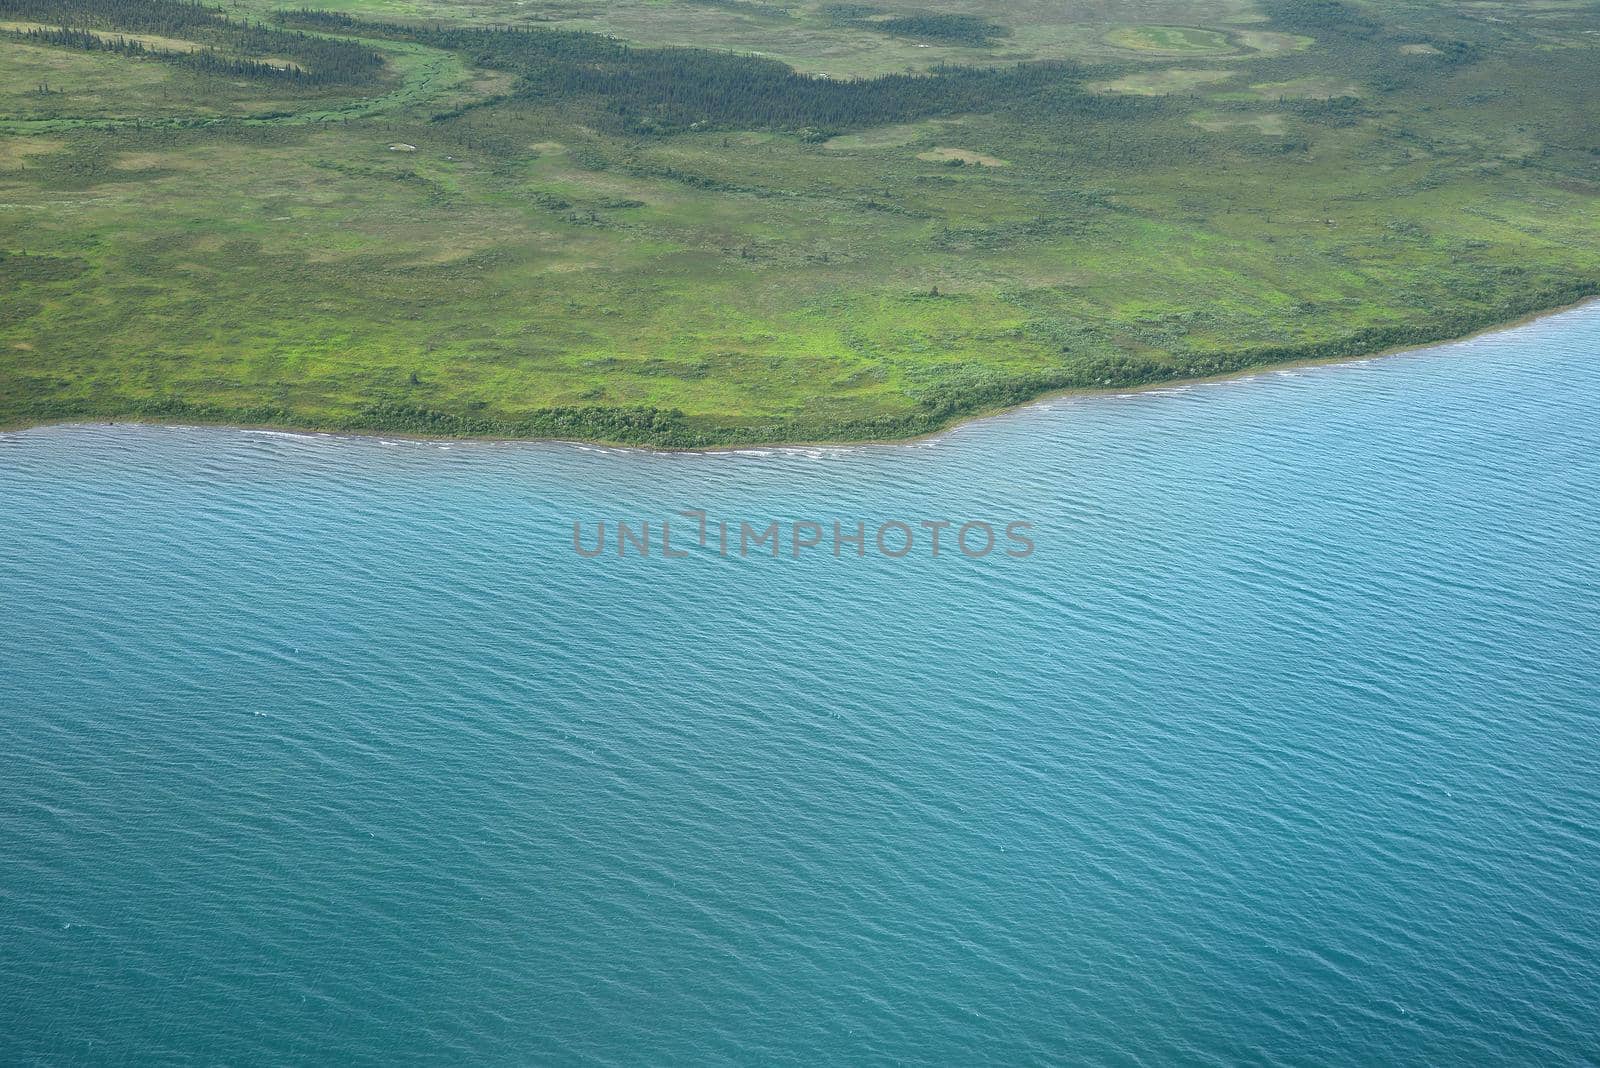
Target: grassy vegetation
<point>554,233</point>
<point>931,26</point>
<point>1176,40</point>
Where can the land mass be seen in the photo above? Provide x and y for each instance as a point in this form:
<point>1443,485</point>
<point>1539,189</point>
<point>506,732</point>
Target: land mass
<point>720,222</point>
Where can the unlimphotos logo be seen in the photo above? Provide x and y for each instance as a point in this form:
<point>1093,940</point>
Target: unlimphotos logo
<point>894,539</point>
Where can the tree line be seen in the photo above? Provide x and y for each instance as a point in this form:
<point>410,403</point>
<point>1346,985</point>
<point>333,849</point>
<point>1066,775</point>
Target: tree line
<point>228,47</point>
<point>958,29</point>
<point>962,29</point>
<point>667,89</point>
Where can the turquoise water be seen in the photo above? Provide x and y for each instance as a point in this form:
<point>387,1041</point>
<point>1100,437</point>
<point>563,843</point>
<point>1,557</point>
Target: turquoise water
<point>1281,746</point>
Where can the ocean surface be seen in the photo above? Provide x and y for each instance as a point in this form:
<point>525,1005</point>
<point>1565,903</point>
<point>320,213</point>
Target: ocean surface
<point>1283,745</point>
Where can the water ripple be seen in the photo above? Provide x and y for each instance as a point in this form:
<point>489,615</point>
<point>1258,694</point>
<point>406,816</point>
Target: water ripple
<point>321,748</point>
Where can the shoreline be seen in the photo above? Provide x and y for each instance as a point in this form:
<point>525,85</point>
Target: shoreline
<point>955,424</point>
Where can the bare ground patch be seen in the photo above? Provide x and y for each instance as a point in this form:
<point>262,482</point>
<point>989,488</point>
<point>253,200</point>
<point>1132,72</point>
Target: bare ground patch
<point>1307,89</point>
<point>14,151</point>
<point>1218,123</point>
<point>945,155</point>
<point>1273,44</point>
<point>884,136</point>
<point>1162,82</point>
